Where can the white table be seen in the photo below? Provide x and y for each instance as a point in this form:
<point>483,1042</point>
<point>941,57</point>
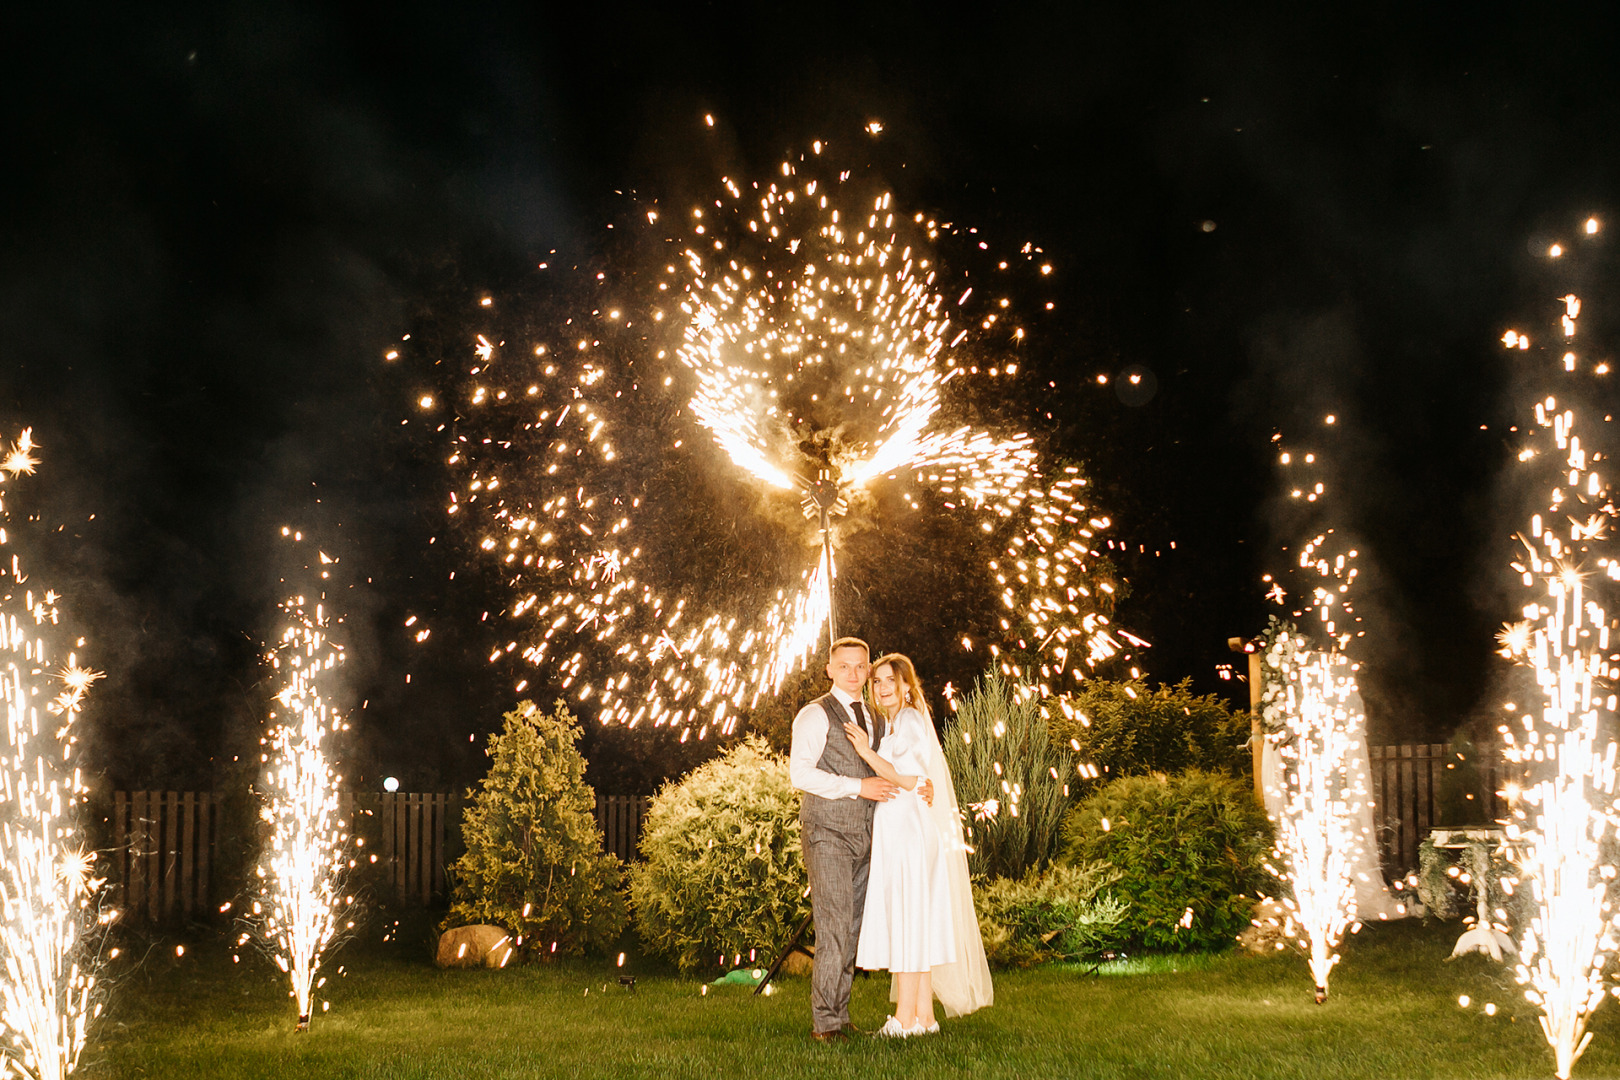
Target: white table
<point>1482,936</point>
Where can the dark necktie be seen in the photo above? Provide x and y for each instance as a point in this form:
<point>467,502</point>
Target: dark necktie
<point>860,718</point>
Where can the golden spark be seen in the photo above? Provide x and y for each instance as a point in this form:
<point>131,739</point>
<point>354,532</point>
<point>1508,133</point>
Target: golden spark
<point>1311,711</point>
<point>297,914</point>
<point>809,327</point>
<point>50,909</point>
<point>20,460</point>
<point>1559,741</point>
<point>1514,639</point>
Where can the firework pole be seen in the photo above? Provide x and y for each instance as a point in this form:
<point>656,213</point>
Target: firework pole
<point>823,500</point>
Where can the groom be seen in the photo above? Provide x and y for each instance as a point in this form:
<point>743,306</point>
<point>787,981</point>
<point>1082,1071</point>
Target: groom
<point>840,794</point>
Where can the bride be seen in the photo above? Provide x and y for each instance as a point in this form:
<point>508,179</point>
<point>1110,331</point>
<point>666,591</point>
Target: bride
<point>919,921</point>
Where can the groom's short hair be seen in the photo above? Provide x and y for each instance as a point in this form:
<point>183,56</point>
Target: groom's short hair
<point>848,643</point>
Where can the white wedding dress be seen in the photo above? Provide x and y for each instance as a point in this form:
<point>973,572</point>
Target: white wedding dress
<point>919,912</point>
<point>908,924</point>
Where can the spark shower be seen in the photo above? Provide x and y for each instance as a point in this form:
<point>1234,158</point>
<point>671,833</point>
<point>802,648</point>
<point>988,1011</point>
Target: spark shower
<point>806,326</point>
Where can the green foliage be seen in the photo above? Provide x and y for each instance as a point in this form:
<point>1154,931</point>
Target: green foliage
<point>1061,914</point>
<point>1448,882</point>
<point>1193,841</point>
<point>1005,769</point>
<point>534,862</point>
<point>723,868</point>
<point>1434,885</point>
<point>1280,646</point>
<point>1126,729</point>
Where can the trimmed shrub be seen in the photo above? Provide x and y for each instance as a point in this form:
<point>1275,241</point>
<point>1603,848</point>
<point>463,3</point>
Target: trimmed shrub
<point>724,868</point>
<point>534,863</point>
<point>1006,773</point>
<point>1125,729</point>
<point>1062,914</point>
<point>1190,850</point>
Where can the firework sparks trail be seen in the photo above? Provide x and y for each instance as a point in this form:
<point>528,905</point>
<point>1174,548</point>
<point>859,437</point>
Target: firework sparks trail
<point>301,901</point>
<point>1318,844</point>
<point>1313,718</point>
<point>814,330</point>
<point>1560,835</point>
<point>49,893</point>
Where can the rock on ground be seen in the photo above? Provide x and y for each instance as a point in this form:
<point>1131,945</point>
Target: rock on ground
<point>474,946</point>
<point>798,962</point>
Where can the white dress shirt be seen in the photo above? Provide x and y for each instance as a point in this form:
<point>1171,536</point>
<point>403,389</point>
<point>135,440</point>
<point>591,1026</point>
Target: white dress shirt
<point>810,742</point>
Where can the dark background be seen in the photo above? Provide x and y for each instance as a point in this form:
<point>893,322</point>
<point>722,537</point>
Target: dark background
<point>217,219</point>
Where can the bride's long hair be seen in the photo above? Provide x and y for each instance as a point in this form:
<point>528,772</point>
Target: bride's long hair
<point>906,682</point>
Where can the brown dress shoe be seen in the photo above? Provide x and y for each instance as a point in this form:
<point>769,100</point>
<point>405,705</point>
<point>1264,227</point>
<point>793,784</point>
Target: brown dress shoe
<point>828,1037</point>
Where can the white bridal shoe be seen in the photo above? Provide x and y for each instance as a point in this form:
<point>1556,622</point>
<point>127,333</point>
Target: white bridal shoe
<point>891,1029</point>
<point>922,1029</point>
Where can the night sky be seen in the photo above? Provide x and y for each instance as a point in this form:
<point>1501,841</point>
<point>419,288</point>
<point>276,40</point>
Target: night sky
<point>217,220</point>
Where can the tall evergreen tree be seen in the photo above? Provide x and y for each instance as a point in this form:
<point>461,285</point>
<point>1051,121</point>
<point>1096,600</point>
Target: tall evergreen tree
<point>534,863</point>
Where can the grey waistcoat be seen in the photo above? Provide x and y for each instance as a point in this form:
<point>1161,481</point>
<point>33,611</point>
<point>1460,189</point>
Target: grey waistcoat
<point>840,758</point>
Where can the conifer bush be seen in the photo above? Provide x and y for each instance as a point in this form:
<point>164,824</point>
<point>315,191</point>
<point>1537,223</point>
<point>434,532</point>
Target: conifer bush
<point>534,861</point>
<point>1010,782</point>
<point>1190,850</point>
<point>723,866</point>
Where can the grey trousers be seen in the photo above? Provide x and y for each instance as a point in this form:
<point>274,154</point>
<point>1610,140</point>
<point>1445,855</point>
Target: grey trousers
<point>839,862</point>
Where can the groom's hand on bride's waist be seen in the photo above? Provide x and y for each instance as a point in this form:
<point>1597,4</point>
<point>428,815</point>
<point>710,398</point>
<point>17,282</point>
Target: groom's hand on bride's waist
<point>877,789</point>
<point>925,788</point>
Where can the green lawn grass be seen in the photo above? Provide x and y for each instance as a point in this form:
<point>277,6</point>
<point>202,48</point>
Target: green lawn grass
<point>1393,1013</point>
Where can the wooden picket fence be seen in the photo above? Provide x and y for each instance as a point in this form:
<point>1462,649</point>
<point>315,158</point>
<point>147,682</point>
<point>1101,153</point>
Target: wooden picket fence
<point>165,846</point>
<point>620,818</point>
<point>1406,796</point>
<point>407,834</point>
<point>162,846</point>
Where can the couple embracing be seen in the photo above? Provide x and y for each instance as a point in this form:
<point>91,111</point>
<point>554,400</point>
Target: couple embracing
<point>883,846</point>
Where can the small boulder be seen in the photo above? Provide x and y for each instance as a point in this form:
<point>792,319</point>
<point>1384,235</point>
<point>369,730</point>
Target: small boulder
<point>474,946</point>
<point>799,962</point>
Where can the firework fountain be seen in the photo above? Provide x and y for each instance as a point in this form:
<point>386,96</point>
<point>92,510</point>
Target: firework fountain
<point>1561,834</point>
<point>301,903</point>
<point>1315,723</point>
<point>49,908</point>
<point>806,330</point>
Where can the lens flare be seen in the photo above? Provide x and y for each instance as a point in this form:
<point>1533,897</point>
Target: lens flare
<point>50,911</point>
<point>805,329</point>
<point>300,905</point>
<point>1559,736</point>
